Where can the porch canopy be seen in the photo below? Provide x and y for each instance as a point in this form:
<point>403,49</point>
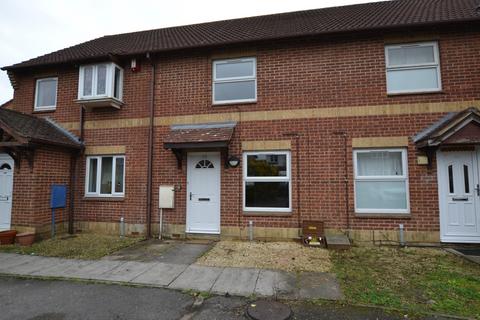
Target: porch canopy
<point>21,133</point>
<point>198,136</point>
<point>455,129</point>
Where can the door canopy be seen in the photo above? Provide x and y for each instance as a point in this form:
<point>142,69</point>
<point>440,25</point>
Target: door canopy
<point>198,137</point>
<point>455,129</point>
<point>21,133</point>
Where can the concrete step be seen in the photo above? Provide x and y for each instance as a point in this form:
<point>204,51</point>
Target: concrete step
<point>338,242</point>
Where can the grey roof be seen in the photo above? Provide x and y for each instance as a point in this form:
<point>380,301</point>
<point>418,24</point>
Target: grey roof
<point>37,130</point>
<point>384,15</point>
<point>429,130</point>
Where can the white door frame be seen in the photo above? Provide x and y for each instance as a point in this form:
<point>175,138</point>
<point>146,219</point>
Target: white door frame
<point>190,205</point>
<point>443,199</point>
<point>5,158</point>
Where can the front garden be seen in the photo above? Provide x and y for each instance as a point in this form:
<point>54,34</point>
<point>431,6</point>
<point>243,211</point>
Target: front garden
<point>414,280</point>
<point>80,246</point>
<point>417,280</point>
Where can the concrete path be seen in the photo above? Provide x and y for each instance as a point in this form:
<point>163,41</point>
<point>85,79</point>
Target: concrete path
<point>234,281</point>
<point>166,251</point>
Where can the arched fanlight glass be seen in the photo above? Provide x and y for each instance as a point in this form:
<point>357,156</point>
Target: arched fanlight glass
<point>204,164</point>
<point>5,166</point>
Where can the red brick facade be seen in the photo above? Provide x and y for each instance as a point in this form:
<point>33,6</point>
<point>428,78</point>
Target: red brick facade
<point>344,72</point>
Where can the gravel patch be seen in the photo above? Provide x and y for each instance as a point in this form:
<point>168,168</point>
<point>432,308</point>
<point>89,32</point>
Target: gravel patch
<point>287,256</point>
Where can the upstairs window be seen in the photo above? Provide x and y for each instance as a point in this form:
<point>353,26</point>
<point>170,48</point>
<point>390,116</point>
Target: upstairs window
<point>99,81</point>
<point>46,94</point>
<point>234,81</point>
<point>413,68</point>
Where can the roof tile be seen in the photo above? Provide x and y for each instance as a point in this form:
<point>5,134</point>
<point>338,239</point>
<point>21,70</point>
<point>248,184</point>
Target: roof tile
<point>369,16</point>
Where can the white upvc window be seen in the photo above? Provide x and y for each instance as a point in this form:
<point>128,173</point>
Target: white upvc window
<point>103,80</point>
<point>46,94</point>
<point>266,181</point>
<point>234,81</point>
<point>381,181</point>
<point>105,176</point>
<point>413,67</point>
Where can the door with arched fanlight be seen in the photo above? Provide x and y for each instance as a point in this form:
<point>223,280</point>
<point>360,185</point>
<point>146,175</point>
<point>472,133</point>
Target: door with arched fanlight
<point>6,191</point>
<point>203,192</point>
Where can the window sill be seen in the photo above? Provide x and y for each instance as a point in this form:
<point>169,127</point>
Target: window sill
<point>384,215</point>
<point>234,103</point>
<point>267,214</point>
<point>414,93</point>
<point>46,110</point>
<point>100,103</point>
<point>108,199</point>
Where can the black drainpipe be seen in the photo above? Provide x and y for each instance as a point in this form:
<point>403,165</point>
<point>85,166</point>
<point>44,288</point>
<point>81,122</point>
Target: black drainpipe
<point>343,134</point>
<point>73,176</point>
<point>73,179</point>
<point>150,149</point>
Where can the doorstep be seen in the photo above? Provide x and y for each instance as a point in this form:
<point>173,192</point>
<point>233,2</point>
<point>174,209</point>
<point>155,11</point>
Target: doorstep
<point>470,254</point>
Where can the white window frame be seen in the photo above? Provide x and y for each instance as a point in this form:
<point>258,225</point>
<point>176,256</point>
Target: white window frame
<point>403,177</point>
<point>110,82</point>
<point>417,66</point>
<point>233,79</point>
<point>45,108</point>
<point>99,175</point>
<point>246,179</point>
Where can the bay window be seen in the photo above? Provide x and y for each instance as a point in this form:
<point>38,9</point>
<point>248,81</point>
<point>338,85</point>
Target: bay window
<point>105,176</point>
<point>97,81</point>
<point>267,184</point>
<point>381,181</point>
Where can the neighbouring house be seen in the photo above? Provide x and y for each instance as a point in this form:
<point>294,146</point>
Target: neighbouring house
<point>364,117</point>
<point>7,105</point>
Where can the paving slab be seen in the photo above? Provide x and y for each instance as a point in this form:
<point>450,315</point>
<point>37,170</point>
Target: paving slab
<point>8,262</point>
<point>198,278</point>
<point>275,283</point>
<point>62,268</point>
<point>318,285</point>
<point>126,271</point>
<point>161,274</point>
<point>236,281</point>
<point>34,265</point>
<point>95,270</point>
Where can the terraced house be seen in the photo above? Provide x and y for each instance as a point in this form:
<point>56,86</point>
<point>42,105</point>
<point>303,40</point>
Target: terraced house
<point>364,117</point>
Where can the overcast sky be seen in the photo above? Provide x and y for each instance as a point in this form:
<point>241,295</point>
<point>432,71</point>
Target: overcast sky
<point>29,28</point>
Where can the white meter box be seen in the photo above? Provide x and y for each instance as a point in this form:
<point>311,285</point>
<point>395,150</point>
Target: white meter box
<point>166,197</point>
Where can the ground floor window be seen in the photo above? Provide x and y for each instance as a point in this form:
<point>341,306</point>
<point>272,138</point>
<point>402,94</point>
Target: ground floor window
<point>105,176</point>
<point>381,181</point>
<point>267,185</point>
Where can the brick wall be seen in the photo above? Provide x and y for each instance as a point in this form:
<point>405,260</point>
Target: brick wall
<point>292,74</point>
<point>31,188</point>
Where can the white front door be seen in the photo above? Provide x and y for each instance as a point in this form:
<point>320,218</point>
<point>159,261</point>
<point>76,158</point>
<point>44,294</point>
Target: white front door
<point>6,191</point>
<point>203,192</point>
<point>458,186</point>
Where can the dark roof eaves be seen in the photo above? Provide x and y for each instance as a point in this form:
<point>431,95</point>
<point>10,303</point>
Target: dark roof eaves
<point>19,66</point>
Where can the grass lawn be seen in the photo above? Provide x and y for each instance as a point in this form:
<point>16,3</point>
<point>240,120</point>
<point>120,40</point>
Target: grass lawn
<point>81,246</point>
<point>416,279</point>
